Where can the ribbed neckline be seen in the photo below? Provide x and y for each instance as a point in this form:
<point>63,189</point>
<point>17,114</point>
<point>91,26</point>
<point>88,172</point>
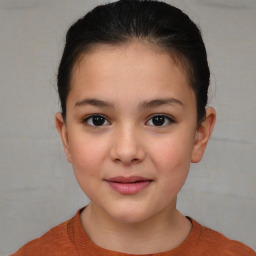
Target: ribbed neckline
<point>84,244</point>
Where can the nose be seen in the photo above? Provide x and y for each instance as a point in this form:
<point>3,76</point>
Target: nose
<point>127,148</point>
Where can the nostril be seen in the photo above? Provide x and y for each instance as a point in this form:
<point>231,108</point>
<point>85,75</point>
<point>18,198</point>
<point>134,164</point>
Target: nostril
<point>135,160</point>
<point>127,161</point>
<point>127,152</point>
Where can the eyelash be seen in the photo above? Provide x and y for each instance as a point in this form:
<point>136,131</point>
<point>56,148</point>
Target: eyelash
<point>85,120</point>
<point>169,119</point>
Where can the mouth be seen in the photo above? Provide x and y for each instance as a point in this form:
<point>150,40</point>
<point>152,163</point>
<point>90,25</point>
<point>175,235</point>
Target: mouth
<point>128,185</point>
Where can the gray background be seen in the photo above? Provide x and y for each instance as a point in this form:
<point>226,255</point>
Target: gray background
<point>37,187</point>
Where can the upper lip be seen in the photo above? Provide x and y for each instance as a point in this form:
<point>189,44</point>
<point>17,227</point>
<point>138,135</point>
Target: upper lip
<point>131,179</point>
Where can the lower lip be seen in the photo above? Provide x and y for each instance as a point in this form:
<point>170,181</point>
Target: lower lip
<point>129,188</point>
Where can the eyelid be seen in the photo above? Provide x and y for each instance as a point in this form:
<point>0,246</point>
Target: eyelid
<point>85,120</point>
<point>168,117</point>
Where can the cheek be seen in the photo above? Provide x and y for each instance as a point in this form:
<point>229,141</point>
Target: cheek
<point>171,168</point>
<point>172,155</point>
<point>172,162</point>
<point>88,154</point>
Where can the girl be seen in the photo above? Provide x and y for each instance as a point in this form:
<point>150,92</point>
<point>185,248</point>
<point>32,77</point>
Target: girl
<point>133,84</point>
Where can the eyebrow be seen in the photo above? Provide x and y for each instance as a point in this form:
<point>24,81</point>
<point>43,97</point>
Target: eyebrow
<point>145,104</point>
<point>94,102</point>
<point>160,102</point>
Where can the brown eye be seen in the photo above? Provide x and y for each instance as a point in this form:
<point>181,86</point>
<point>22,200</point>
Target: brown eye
<point>96,120</point>
<point>160,120</point>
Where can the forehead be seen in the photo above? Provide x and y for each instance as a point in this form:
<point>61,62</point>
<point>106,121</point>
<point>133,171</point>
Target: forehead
<point>134,51</point>
<point>140,67</point>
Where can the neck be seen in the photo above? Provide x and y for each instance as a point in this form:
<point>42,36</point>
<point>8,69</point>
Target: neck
<point>161,232</point>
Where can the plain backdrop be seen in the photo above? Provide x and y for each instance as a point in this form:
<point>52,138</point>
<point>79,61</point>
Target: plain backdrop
<point>37,186</point>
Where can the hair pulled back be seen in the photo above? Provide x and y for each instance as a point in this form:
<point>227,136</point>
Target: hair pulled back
<point>125,21</point>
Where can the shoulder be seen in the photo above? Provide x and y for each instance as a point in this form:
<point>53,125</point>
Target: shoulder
<point>54,242</point>
<point>214,243</point>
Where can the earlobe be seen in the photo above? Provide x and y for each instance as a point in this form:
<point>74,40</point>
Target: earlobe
<point>61,127</point>
<point>203,134</point>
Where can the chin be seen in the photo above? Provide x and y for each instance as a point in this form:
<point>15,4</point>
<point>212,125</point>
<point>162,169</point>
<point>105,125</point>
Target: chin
<point>129,214</point>
<point>130,217</point>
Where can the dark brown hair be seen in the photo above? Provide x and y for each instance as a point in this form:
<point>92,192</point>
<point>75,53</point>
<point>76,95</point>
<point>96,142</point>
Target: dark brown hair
<point>127,20</point>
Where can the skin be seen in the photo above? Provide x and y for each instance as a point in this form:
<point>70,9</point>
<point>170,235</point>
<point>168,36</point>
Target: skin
<point>128,144</point>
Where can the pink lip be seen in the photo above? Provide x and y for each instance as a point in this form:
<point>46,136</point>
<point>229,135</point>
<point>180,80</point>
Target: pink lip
<point>128,185</point>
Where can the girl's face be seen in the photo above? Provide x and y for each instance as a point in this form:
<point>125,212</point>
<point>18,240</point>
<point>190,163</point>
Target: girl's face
<point>131,130</point>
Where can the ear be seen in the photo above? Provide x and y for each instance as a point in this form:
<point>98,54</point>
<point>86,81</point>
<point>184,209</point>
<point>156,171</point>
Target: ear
<point>203,134</point>
<point>62,129</point>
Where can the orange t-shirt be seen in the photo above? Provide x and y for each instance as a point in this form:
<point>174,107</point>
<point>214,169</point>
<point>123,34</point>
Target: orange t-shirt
<point>69,239</point>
